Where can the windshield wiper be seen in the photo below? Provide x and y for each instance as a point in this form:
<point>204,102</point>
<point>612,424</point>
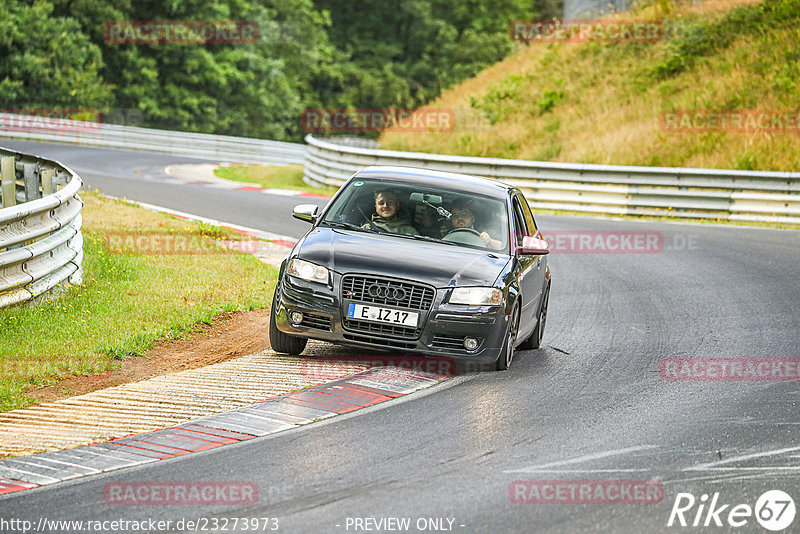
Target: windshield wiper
<point>347,226</point>
<point>428,238</point>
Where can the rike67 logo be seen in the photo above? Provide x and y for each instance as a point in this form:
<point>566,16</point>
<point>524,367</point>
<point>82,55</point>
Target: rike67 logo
<point>774,510</point>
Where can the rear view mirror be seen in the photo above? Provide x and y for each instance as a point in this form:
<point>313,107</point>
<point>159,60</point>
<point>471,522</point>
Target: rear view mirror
<point>306,212</point>
<point>427,199</point>
<point>533,246</point>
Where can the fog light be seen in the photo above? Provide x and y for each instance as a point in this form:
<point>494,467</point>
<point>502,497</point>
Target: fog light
<point>296,317</point>
<point>470,343</point>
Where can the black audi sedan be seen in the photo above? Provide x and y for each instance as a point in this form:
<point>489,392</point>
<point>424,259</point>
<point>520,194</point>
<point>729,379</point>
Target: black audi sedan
<point>425,262</point>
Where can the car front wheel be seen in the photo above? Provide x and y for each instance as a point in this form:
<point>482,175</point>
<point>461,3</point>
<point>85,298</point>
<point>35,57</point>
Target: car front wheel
<point>535,341</point>
<point>280,341</point>
<point>507,352</point>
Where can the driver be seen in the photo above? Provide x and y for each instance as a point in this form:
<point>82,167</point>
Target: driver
<point>464,218</point>
<point>387,214</point>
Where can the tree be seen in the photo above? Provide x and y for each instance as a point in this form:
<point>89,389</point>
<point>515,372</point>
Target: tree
<point>48,62</point>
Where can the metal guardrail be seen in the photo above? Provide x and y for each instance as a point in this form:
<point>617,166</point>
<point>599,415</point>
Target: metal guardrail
<point>603,189</point>
<point>194,145</point>
<point>41,245</point>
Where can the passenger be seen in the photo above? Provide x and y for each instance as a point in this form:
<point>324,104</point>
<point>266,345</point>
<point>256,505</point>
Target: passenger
<point>430,223</point>
<point>387,214</point>
<point>462,217</point>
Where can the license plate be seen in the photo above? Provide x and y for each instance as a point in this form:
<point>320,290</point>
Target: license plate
<point>382,315</point>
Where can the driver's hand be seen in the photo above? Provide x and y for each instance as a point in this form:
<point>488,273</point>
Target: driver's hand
<point>486,237</point>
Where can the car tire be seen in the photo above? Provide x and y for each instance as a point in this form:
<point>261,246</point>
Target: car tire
<point>280,341</point>
<point>507,352</point>
<point>535,339</point>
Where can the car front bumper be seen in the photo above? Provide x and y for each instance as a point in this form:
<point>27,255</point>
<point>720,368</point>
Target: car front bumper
<point>441,330</point>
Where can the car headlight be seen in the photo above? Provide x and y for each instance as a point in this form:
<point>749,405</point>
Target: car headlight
<point>477,296</point>
<point>308,271</point>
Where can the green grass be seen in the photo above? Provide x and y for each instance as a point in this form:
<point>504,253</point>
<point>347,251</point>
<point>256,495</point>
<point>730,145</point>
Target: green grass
<point>276,177</point>
<point>127,301</point>
<point>604,102</point>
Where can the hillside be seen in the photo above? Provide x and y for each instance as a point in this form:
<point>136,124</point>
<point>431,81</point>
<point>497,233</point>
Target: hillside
<point>596,102</point>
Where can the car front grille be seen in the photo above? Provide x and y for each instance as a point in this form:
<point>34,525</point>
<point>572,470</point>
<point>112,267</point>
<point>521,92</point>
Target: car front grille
<point>381,328</point>
<point>387,292</point>
<point>386,342</point>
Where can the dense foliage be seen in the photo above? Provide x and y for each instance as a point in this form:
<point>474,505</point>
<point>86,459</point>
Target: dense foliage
<point>323,53</point>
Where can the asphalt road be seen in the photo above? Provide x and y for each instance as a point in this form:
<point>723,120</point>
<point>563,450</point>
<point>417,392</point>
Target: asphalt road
<point>140,176</point>
<point>590,406</point>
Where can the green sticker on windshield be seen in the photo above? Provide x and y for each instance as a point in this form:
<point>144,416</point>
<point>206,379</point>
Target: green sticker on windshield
<point>358,184</point>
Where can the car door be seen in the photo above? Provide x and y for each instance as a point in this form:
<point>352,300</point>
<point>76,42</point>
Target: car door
<point>530,268</point>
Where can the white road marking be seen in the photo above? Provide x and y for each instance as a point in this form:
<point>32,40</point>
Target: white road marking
<point>581,459</point>
<point>566,471</point>
<point>715,465</point>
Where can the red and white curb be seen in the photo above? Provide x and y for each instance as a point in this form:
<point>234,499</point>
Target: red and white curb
<point>372,386</point>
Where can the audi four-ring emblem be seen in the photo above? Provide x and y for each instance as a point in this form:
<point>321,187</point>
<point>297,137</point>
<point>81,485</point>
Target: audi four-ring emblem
<point>386,292</point>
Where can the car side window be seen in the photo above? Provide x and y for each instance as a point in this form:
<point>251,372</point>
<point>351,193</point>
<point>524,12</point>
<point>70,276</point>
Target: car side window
<point>526,211</point>
<point>520,227</point>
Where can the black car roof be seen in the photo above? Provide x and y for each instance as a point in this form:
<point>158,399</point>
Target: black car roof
<point>414,175</point>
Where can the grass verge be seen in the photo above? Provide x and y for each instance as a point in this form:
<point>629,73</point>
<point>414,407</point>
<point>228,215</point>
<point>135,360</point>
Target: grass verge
<point>604,103</point>
<point>128,300</point>
<point>277,177</point>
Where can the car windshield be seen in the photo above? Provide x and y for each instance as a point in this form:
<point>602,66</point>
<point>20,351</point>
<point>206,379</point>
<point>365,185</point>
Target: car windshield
<point>419,211</point>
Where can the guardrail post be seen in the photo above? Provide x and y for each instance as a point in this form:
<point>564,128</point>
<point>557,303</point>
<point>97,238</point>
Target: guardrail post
<point>47,181</point>
<point>8,177</point>
<point>30,173</point>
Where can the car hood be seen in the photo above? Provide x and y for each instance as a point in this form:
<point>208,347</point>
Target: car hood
<point>438,264</point>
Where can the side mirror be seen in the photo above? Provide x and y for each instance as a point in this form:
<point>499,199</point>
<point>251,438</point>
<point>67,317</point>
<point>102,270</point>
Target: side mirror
<point>306,212</point>
<point>533,246</point>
